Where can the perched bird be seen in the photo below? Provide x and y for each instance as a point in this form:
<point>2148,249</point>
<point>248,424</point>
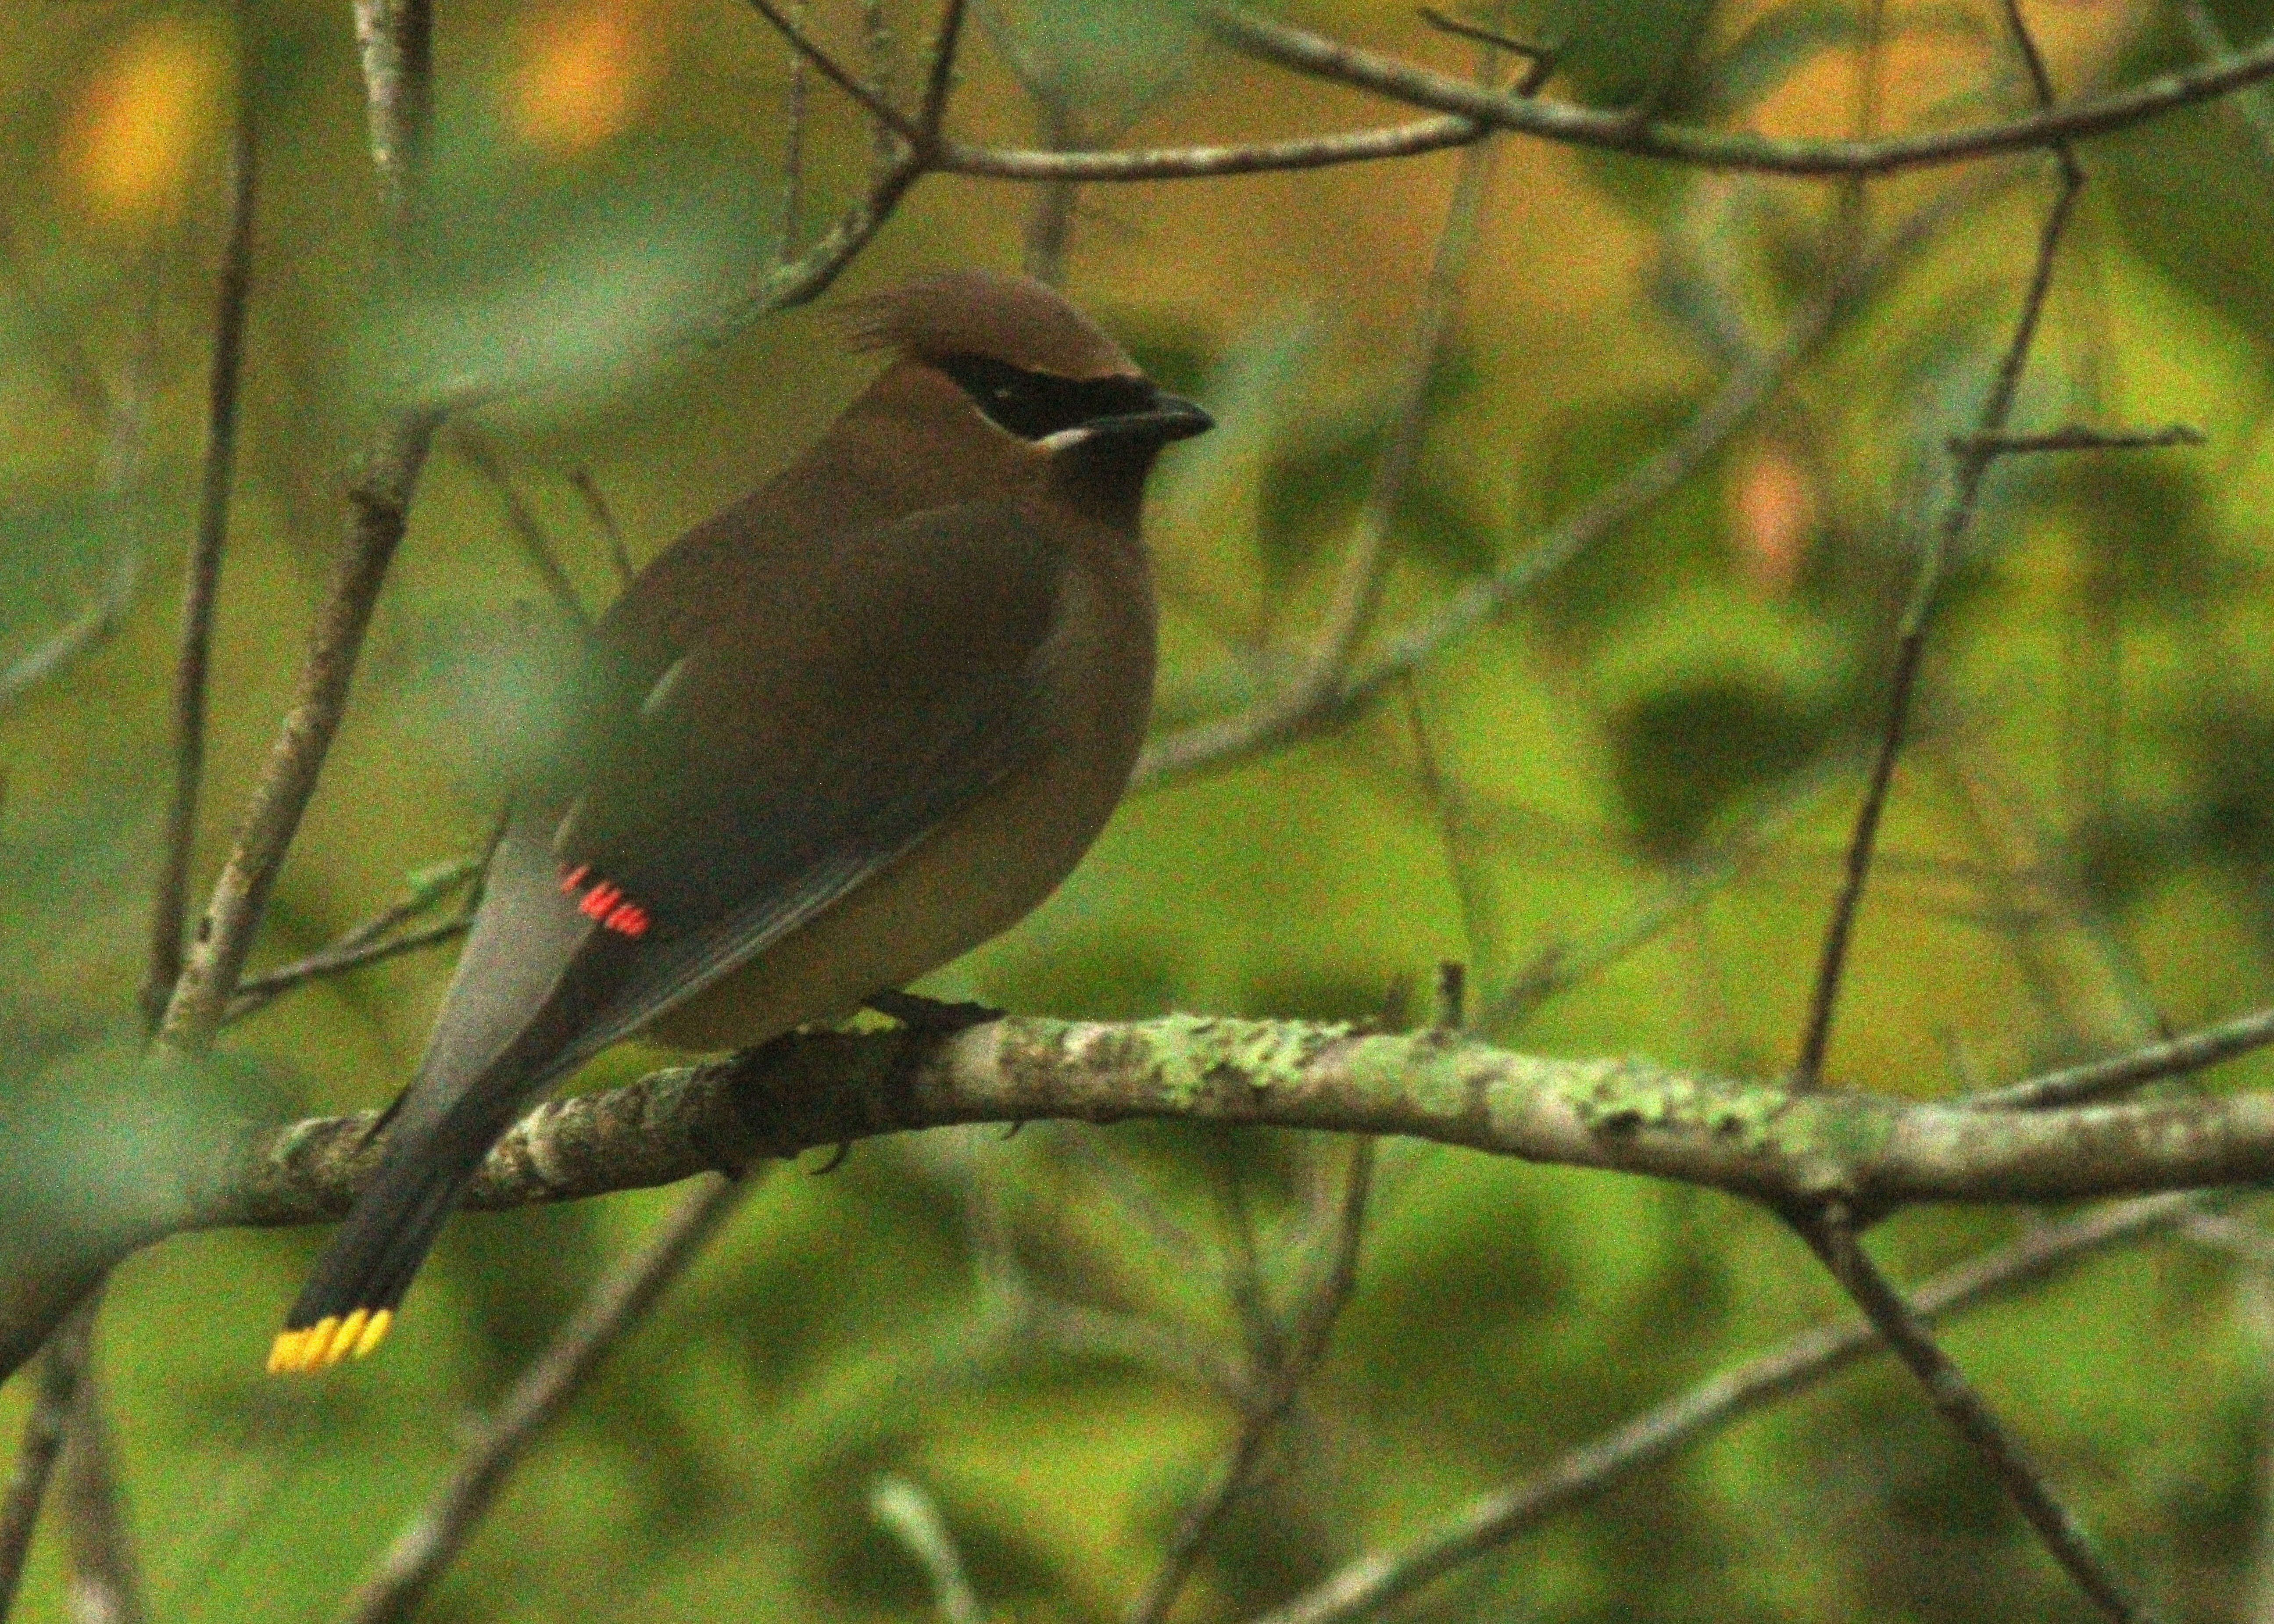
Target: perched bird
<point>856,724</point>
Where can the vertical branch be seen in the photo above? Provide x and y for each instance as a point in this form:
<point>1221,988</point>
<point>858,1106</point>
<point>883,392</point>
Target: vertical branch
<point>884,56</point>
<point>201,582</point>
<point>1438,791</point>
<point>939,79</point>
<point>63,1366</point>
<point>397,40</point>
<point>1049,219</point>
<point>1974,458</point>
<point>794,115</point>
<point>378,503</point>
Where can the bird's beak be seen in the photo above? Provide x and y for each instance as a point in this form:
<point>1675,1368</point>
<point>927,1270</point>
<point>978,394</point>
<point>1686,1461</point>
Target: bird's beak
<point>1170,417</point>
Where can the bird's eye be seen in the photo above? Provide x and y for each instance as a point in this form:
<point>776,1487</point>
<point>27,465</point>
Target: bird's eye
<point>1034,404</point>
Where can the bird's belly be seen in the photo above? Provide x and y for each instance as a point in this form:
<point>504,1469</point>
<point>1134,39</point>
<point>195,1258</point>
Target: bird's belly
<point>971,878</point>
<point>968,881</point>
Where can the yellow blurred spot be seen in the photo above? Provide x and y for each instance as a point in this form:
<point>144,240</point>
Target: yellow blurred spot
<point>372,1332</point>
<point>344,1338</point>
<point>141,118</point>
<point>586,68</point>
<point>328,1341</point>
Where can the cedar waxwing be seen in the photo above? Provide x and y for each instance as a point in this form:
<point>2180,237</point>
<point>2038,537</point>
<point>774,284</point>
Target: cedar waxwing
<point>851,727</point>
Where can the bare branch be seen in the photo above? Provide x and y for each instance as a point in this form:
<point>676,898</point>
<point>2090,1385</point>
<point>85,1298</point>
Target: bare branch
<point>1831,1234</point>
<point>939,78</point>
<point>2100,1079</point>
<point>397,39</point>
<point>106,1579</point>
<point>1309,151</point>
<point>256,992</point>
<point>1761,1139</point>
<point>535,544</point>
<point>95,625</point>
<point>201,579</point>
<point>1615,130</point>
<point>793,124</point>
<point>1910,647</point>
<point>2075,438</point>
<point>1367,1586</point>
<point>604,516</point>
<point>410,1566</point>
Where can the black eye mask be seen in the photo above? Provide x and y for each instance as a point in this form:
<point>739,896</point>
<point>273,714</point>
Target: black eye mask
<point>1034,404</point>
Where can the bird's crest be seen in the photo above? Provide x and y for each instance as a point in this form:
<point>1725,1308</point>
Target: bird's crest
<point>1008,318</point>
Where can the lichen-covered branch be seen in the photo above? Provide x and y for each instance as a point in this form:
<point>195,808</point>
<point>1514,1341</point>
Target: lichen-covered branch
<point>1754,1139</point>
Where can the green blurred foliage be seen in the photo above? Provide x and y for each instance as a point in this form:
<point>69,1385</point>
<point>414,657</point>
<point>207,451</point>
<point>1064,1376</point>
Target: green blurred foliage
<point>2078,851</point>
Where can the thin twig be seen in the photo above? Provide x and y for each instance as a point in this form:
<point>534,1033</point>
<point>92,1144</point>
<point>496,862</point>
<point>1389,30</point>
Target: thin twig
<point>1615,130</point>
<point>106,1579</point>
<point>257,992</point>
<point>1566,963</point>
<point>1973,468</point>
<point>1298,1356</point>
<point>1208,746</point>
<point>1315,683</point>
<point>884,76</point>
<point>1831,1234</point>
<point>63,1367</point>
<point>408,1567</point>
<point>201,579</point>
<point>602,515</point>
<point>95,625</point>
<point>2075,438</point>
<point>908,1511</point>
<point>793,116</point>
<point>536,546</point>
<point>397,47</point>
<point>1049,217</point>
<point>371,941</point>
<point>1365,1588</point>
<point>380,505</point>
<point>838,74</point>
<point>939,77</point>
<point>2100,1079</point>
<point>1452,835</point>
<point>1462,29</point>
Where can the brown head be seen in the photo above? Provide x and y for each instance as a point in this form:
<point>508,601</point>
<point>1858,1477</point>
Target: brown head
<point>1034,368</point>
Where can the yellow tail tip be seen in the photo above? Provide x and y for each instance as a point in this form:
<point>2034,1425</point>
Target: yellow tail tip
<point>331,1339</point>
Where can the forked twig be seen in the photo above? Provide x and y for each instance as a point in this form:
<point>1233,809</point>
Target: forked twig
<point>1295,1355</point>
<point>1364,1588</point>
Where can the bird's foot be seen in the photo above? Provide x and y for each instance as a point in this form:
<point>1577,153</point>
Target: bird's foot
<point>930,1017</point>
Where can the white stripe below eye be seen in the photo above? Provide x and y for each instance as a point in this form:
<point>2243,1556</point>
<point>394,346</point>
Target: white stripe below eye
<point>665,686</point>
